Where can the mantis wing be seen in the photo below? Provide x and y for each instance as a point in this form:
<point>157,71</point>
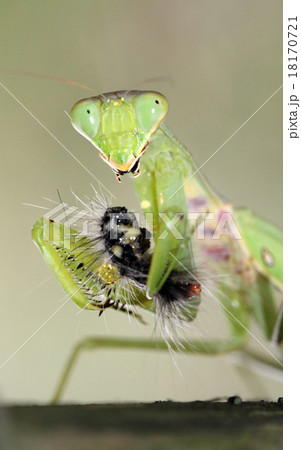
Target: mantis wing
<point>264,242</point>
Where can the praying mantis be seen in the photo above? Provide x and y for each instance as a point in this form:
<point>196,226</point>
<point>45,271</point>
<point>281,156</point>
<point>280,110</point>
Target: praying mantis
<point>190,223</point>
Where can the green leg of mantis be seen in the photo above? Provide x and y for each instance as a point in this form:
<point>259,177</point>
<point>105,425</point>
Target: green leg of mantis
<point>159,189</point>
<point>238,322</point>
<point>92,343</point>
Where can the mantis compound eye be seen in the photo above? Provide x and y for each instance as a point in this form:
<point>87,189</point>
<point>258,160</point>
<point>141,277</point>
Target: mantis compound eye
<point>151,109</point>
<point>85,117</point>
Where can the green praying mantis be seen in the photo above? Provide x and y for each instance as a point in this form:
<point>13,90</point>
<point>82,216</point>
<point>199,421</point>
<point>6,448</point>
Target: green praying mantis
<point>190,223</point>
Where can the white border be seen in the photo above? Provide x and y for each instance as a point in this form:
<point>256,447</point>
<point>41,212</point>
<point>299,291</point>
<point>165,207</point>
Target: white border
<point>292,247</point>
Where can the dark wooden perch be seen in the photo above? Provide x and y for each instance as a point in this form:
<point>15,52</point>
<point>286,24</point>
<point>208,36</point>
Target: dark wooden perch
<point>161,425</point>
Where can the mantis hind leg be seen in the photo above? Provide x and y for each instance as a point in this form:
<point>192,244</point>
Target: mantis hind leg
<point>93,343</point>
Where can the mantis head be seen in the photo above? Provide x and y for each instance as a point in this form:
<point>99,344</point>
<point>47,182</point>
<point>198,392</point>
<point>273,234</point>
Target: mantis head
<point>120,124</point>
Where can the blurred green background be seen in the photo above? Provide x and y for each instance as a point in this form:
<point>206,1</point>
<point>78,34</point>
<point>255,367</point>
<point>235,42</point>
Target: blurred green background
<point>221,60</point>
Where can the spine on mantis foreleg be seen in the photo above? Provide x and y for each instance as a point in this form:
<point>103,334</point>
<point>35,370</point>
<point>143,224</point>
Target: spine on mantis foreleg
<point>51,238</point>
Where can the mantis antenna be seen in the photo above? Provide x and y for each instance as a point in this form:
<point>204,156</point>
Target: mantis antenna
<point>50,77</point>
